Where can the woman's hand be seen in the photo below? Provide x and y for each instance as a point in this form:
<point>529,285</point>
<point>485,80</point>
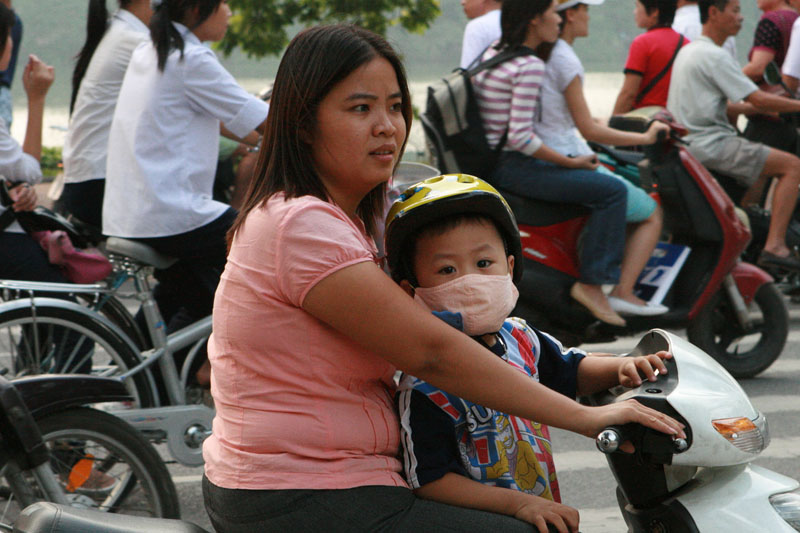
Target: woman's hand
<point>617,414</point>
<point>650,366</point>
<point>655,128</point>
<point>540,512</point>
<point>24,197</point>
<point>588,162</point>
<point>37,77</point>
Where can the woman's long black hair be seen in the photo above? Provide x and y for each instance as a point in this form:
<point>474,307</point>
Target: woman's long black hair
<point>6,23</point>
<point>315,61</point>
<point>164,35</point>
<point>96,26</point>
<point>515,15</point>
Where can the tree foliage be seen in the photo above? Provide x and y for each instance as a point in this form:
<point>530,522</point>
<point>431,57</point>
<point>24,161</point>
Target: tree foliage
<point>260,27</point>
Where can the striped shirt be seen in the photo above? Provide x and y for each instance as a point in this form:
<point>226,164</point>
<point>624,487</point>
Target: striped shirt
<point>508,100</point>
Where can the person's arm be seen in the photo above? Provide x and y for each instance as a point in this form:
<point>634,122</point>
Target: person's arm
<point>454,489</point>
<point>627,94</point>
<point>791,83</point>
<point>363,303</point>
<point>755,68</point>
<point>252,138</point>
<point>601,371</point>
<point>593,130</point>
<point>766,102</point>
<point>36,79</point>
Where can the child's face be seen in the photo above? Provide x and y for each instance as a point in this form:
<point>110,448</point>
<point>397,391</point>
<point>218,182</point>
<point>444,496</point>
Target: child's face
<point>642,18</point>
<point>472,247</point>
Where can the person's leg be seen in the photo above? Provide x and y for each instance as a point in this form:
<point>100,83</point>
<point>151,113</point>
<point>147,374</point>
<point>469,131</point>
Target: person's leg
<point>786,168</point>
<point>84,200</point>
<point>360,509</point>
<point>604,234</point>
<point>642,239</point>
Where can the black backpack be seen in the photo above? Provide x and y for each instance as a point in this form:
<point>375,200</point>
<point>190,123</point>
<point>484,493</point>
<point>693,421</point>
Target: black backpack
<point>452,121</point>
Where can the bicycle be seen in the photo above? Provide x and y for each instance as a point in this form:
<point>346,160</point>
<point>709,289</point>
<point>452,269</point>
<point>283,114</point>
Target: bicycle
<point>42,334</point>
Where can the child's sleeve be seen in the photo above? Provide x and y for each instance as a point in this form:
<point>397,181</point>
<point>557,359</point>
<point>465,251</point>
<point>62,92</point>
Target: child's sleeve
<point>428,436</point>
<point>558,366</point>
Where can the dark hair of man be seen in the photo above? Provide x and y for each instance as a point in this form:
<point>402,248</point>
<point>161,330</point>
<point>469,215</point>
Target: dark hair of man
<point>705,5</point>
<point>666,11</point>
<point>6,23</point>
<point>514,18</point>
<point>96,26</point>
<point>164,35</point>
<point>315,61</point>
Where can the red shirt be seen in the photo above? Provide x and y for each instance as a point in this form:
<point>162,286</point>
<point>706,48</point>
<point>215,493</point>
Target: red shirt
<point>650,52</point>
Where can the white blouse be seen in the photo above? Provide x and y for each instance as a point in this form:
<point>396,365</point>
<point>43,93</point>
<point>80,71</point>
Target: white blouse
<point>164,141</point>
<point>16,166</point>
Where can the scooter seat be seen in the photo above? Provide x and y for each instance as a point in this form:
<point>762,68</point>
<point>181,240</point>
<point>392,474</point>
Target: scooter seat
<point>139,252</point>
<point>540,213</point>
<point>46,517</point>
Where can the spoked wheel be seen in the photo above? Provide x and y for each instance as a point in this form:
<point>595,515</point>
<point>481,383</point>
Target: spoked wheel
<point>56,340</point>
<point>102,463</point>
<point>743,353</point>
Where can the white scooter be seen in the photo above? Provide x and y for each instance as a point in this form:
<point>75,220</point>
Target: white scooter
<point>704,483</point>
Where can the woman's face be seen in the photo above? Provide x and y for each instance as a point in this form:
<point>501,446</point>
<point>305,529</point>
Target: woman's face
<point>359,132</point>
<point>578,18</point>
<point>5,59</point>
<point>546,25</point>
<point>214,27</point>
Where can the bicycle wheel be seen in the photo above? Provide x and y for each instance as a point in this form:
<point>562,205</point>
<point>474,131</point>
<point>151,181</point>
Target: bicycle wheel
<point>50,339</point>
<point>103,464</point>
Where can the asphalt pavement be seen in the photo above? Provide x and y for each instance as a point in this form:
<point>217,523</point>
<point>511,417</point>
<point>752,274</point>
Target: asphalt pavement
<point>585,480</point>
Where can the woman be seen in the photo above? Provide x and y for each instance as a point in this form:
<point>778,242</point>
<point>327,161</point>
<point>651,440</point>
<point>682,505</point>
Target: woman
<point>162,152</point>
<point>308,330</point>
<point>564,107</point>
<point>96,82</point>
<point>508,99</point>
<point>22,257</point>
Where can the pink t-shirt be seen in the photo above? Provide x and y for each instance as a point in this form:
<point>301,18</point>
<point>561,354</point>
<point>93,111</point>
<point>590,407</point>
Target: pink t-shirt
<point>299,405</point>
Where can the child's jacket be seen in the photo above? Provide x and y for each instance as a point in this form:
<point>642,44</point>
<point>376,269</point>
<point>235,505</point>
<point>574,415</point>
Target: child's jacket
<point>443,433</point>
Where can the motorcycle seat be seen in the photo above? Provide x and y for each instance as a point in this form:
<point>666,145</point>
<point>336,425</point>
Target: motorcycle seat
<point>139,252</point>
<point>42,517</point>
<point>540,213</point>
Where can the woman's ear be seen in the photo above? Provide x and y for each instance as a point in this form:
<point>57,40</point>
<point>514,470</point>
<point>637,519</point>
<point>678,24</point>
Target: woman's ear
<point>406,286</point>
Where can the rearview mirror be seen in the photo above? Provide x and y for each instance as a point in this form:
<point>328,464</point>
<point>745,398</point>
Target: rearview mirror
<point>772,74</point>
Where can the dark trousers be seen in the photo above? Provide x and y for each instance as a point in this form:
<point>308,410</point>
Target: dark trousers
<point>360,509</point>
<point>85,201</point>
<point>22,258</point>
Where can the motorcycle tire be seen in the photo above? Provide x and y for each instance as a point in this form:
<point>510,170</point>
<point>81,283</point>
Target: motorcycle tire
<point>744,354</point>
<point>88,446</point>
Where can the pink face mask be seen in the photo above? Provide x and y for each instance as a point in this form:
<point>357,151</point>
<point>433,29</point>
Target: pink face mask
<point>483,301</point>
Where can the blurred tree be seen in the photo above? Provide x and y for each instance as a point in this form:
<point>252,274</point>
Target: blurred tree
<point>261,27</point>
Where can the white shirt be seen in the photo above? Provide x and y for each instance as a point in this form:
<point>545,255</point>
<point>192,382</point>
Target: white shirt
<point>556,127</point>
<point>16,166</point>
<point>791,63</point>
<point>86,144</point>
<point>478,35</point>
<point>687,22</point>
<point>164,141</point>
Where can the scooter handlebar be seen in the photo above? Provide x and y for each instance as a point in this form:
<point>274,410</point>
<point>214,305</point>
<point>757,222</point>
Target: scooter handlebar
<point>611,438</point>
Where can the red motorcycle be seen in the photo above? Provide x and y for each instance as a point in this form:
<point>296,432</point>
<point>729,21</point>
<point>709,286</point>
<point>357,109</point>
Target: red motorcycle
<point>731,309</point>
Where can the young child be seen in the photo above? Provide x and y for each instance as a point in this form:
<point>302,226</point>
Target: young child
<point>452,243</point>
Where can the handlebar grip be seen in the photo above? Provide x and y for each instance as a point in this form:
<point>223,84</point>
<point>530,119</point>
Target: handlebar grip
<point>610,439</point>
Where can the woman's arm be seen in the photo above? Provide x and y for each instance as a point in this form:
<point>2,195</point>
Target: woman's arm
<point>627,94</point>
<point>755,68</point>
<point>363,303</point>
<point>597,132</point>
<point>252,138</point>
<point>36,79</point>
<point>455,489</point>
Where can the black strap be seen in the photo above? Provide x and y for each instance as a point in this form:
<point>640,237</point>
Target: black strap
<point>502,57</point>
<point>661,74</point>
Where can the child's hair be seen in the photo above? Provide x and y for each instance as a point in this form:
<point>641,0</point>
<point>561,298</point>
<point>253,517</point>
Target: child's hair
<point>315,61</point>
<point>96,26</point>
<point>666,11</point>
<point>514,18</point>
<point>408,253</point>
<point>6,23</point>
<point>164,35</point>
<point>705,5</point>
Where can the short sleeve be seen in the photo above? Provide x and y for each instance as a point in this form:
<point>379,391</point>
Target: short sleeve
<point>314,241</point>
<point>558,366</point>
<point>567,67</point>
<point>728,77</point>
<point>428,435</point>
<point>212,89</point>
<point>15,164</point>
<point>768,37</point>
<point>637,56</point>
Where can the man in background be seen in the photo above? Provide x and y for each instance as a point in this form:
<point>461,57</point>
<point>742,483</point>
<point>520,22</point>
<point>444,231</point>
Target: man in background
<point>687,23</point>
<point>482,29</point>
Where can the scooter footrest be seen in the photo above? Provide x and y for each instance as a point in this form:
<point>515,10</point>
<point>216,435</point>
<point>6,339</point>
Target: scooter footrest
<point>49,517</point>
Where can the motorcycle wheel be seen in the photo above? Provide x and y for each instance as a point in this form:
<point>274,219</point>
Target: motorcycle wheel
<point>129,475</point>
<point>743,353</point>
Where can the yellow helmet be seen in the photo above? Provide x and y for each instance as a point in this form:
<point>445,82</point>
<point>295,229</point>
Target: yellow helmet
<point>440,197</point>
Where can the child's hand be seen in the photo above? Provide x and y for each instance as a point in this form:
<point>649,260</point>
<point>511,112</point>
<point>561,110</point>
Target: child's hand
<point>541,511</point>
<point>650,366</point>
